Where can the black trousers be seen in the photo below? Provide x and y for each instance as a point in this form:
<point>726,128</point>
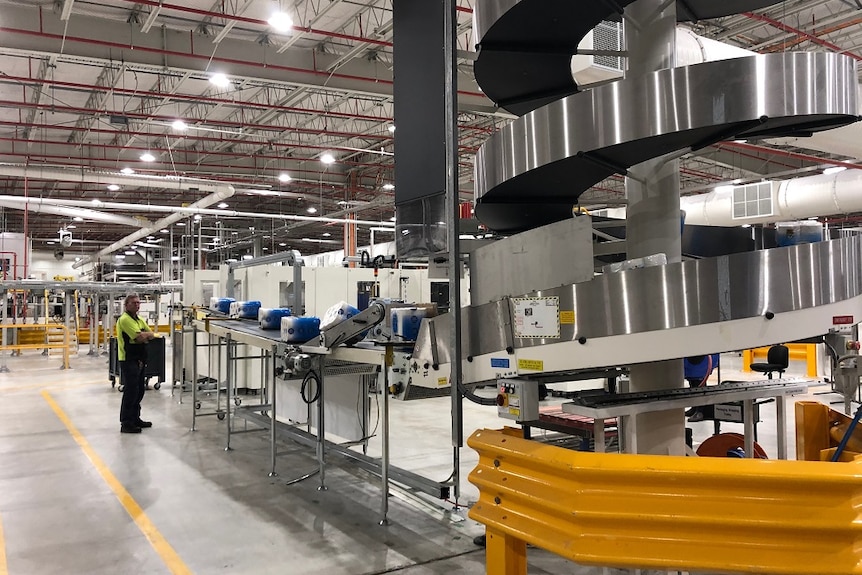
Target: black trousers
<point>134,382</point>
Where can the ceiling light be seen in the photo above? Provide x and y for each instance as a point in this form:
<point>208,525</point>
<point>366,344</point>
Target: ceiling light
<point>282,244</point>
<point>281,21</point>
<point>745,226</point>
<point>130,252</point>
<point>284,177</point>
<point>181,224</point>
<point>71,227</point>
<point>151,237</point>
<point>96,202</point>
<point>833,170</point>
<point>247,257</point>
<point>147,157</point>
<point>326,234</point>
<point>388,186</point>
<point>234,233</point>
<point>266,249</point>
<point>120,256</point>
<point>113,187</point>
<point>164,231</point>
<point>51,243</point>
<point>312,210</point>
<point>197,217</point>
<point>327,158</point>
<point>179,126</point>
<point>127,170</point>
<point>219,80</point>
<point>391,129</point>
<point>78,258</point>
<point>392,219</point>
<point>78,219</point>
<point>222,205</point>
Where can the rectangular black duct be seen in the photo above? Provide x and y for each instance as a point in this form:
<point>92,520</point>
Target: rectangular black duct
<point>420,119</point>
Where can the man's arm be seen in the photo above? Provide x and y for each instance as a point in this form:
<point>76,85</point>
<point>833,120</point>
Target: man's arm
<point>145,334</point>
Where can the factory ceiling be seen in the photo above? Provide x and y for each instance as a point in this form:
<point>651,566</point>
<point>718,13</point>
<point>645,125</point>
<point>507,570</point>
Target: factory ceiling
<point>213,90</point>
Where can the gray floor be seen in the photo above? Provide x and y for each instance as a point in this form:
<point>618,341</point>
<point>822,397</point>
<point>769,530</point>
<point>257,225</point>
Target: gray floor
<point>219,511</point>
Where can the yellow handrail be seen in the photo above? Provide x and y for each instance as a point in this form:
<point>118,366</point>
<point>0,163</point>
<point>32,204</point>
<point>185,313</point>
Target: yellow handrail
<point>47,345</point>
<point>662,512</point>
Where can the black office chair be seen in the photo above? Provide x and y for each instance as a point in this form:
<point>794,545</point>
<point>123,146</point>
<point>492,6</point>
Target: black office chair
<point>777,359</point>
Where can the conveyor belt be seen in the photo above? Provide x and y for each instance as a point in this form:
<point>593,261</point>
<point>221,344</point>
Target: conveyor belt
<point>532,171</point>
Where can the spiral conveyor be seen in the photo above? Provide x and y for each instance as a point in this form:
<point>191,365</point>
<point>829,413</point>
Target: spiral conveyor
<point>530,174</point>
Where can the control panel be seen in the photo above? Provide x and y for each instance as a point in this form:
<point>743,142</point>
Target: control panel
<point>518,399</point>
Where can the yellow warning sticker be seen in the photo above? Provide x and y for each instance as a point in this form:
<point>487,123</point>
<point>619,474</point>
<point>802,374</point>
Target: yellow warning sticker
<point>442,381</point>
<point>531,364</point>
<point>567,317</point>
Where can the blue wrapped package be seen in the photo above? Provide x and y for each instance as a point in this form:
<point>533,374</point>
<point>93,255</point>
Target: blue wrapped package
<point>299,329</point>
<point>270,318</point>
<point>406,321</point>
<point>245,309</point>
<point>223,304</point>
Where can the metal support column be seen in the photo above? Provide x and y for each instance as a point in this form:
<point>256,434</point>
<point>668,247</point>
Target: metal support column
<point>229,376</point>
<point>384,447</point>
<point>3,367</point>
<point>653,220</point>
<point>321,427</point>
<point>194,349</point>
<point>271,366</point>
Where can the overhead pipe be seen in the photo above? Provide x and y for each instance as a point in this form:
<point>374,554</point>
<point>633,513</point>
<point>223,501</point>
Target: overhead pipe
<point>193,210</point>
<point>41,206</point>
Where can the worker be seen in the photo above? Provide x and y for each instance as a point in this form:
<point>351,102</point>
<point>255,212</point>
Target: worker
<point>133,335</point>
<point>697,370</point>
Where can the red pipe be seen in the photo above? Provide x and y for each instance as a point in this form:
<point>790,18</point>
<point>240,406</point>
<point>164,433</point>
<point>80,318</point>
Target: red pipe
<point>206,58</point>
<point>794,155</point>
<point>785,28</point>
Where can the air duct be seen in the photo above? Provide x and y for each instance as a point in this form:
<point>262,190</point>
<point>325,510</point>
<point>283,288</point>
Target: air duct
<point>814,196</point>
<point>43,206</point>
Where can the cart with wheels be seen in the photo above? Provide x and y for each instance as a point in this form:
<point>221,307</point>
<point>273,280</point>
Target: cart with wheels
<point>155,363</point>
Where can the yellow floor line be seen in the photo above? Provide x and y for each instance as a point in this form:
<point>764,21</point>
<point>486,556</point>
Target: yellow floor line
<point>3,568</point>
<point>170,557</point>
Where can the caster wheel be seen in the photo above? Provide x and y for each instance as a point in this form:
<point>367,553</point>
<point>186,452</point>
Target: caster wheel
<point>237,401</point>
<point>113,384</point>
<point>158,385</point>
<point>120,387</point>
<point>198,405</point>
<point>220,416</point>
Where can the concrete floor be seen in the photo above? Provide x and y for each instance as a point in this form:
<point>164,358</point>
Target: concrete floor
<point>76,496</point>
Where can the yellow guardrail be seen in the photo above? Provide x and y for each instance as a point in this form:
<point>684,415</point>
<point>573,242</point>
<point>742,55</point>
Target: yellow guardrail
<point>806,351</point>
<point>65,345</point>
<point>670,513</point>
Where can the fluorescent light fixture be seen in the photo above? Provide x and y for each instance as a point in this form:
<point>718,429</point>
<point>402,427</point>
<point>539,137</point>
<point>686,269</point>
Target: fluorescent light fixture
<point>164,231</point>
<point>247,257</point>
<point>266,249</point>
<point>219,80</point>
<point>113,187</point>
<point>745,226</point>
<point>127,171</point>
<point>78,219</point>
<point>284,177</point>
<point>222,205</point>
<point>392,219</point>
<point>147,157</point>
<point>51,243</point>
<point>740,141</point>
<point>391,129</point>
<point>78,258</point>
<point>151,237</point>
<point>130,252</point>
<point>326,234</point>
<point>179,126</point>
<point>175,258</point>
<point>181,224</point>
<point>71,227</point>
<point>281,21</point>
<point>327,158</point>
<point>96,202</point>
<point>234,233</point>
<point>120,256</point>
<point>388,186</point>
<point>197,217</point>
<point>282,244</point>
<point>833,170</point>
<point>311,210</point>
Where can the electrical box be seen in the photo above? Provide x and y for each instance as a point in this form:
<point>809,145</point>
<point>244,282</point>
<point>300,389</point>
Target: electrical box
<point>518,399</point>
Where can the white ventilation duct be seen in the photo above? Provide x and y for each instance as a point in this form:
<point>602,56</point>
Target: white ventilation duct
<point>814,196</point>
<point>218,192</point>
<point>41,206</point>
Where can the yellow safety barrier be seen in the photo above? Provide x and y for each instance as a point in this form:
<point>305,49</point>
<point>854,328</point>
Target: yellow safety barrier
<point>668,513</point>
<point>806,351</point>
<point>65,345</point>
